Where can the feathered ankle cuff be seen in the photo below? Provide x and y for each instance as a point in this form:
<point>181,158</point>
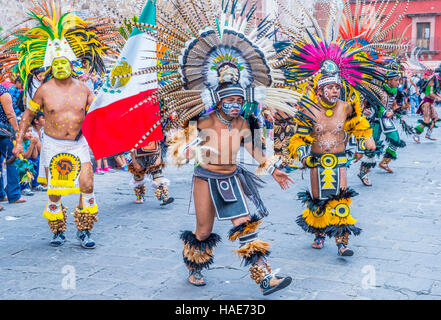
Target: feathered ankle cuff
<point>198,254</point>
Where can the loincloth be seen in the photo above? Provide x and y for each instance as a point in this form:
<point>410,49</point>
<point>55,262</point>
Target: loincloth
<point>63,159</point>
<point>227,195</point>
<point>328,174</point>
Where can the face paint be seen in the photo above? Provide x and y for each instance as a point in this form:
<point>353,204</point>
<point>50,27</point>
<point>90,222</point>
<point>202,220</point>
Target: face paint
<point>61,68</point>
<point>229,108</point>
<point>327,94</point>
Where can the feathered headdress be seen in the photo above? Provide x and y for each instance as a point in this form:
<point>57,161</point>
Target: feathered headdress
<point>323,56</point>
<point>214,49</point>
<point>57,34</point>
<point>367,27</point>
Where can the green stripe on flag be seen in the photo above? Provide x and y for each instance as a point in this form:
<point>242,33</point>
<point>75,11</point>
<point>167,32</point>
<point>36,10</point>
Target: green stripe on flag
<point>148,15</point>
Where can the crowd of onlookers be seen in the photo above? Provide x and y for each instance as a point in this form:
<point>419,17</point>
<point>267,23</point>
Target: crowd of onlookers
<point>410,89</point>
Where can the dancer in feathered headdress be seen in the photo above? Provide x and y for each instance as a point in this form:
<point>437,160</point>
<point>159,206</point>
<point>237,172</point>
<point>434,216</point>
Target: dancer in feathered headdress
<point>56,33</point>
<point>219,65</point>
<point>430,92</point>
<point>382,121</point>
<point>367,27</point>
<point>56,41</point>
<point>337,74</point>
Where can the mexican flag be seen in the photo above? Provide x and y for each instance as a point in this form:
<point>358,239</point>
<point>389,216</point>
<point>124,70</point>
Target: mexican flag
<point>112,124</point>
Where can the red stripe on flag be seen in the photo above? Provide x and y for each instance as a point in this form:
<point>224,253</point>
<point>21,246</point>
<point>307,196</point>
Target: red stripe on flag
<point>113,129</point>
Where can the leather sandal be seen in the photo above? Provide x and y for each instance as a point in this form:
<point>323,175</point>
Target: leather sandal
<point>266,287</point>
<point>318,243</point>
<point>198,276</point>
<point>21,200</point>
<point>365,180</point>
<point>344,251</point>
<point>168,201</point>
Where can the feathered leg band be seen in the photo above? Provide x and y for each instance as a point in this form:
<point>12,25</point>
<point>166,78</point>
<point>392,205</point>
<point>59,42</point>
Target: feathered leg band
<point>330,217</point>
<point>198,254</point>
<point>252,251</point>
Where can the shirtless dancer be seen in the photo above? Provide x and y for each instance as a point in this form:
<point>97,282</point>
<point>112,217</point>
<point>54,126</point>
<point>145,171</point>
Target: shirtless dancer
<point>322,149</point>
<point>222,132</point>
<point>427,109</point>
<point>65,153</point>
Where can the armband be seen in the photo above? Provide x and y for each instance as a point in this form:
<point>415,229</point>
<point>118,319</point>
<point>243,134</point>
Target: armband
<point>33,106</point>
<point>303,152</point>
<point>303,130</point>
<point>269,166</point>
<point>361,145</point>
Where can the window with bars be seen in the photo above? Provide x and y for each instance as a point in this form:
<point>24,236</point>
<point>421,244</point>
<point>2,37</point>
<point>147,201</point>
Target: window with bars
<point>423,35</point>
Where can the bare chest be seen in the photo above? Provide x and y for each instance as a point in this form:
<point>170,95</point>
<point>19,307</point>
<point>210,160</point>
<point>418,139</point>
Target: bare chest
<point>65,101</point>
<point>330,124</point>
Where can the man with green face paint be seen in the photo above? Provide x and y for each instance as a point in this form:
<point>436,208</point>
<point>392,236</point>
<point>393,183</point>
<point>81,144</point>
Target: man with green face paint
<point>50,86</point>
<point>65,159</point>
<point>61,68</point>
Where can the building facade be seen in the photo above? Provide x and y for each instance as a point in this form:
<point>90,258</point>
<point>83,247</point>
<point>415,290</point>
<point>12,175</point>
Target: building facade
<point>421,25</point>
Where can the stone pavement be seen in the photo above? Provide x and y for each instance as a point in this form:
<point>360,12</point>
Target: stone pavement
<point>138,254</point>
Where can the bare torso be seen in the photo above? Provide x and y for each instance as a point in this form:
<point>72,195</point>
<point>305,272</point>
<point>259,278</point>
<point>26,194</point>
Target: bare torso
<point>330,137</point>
<point>64,108</point>
<point>328,132</point>
<point>217,136</point>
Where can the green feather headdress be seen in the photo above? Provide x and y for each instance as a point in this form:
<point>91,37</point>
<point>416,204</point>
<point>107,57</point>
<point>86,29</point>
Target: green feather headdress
<point>57,34</point>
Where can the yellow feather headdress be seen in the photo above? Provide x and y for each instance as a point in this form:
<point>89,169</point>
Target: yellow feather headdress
<point>56,34</point>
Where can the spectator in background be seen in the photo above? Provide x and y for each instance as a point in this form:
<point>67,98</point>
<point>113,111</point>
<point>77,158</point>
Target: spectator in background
<point>9,125</point>
<point>15,89</point>
<point>414,92</point>
<point>268,124</point>
<point>403,94</point>
<point>106,168</point>
<point>37,126</point>
<point>121,162</point>
<point>34,81</point>
<point>31,146</point>
<point>97,83</point>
